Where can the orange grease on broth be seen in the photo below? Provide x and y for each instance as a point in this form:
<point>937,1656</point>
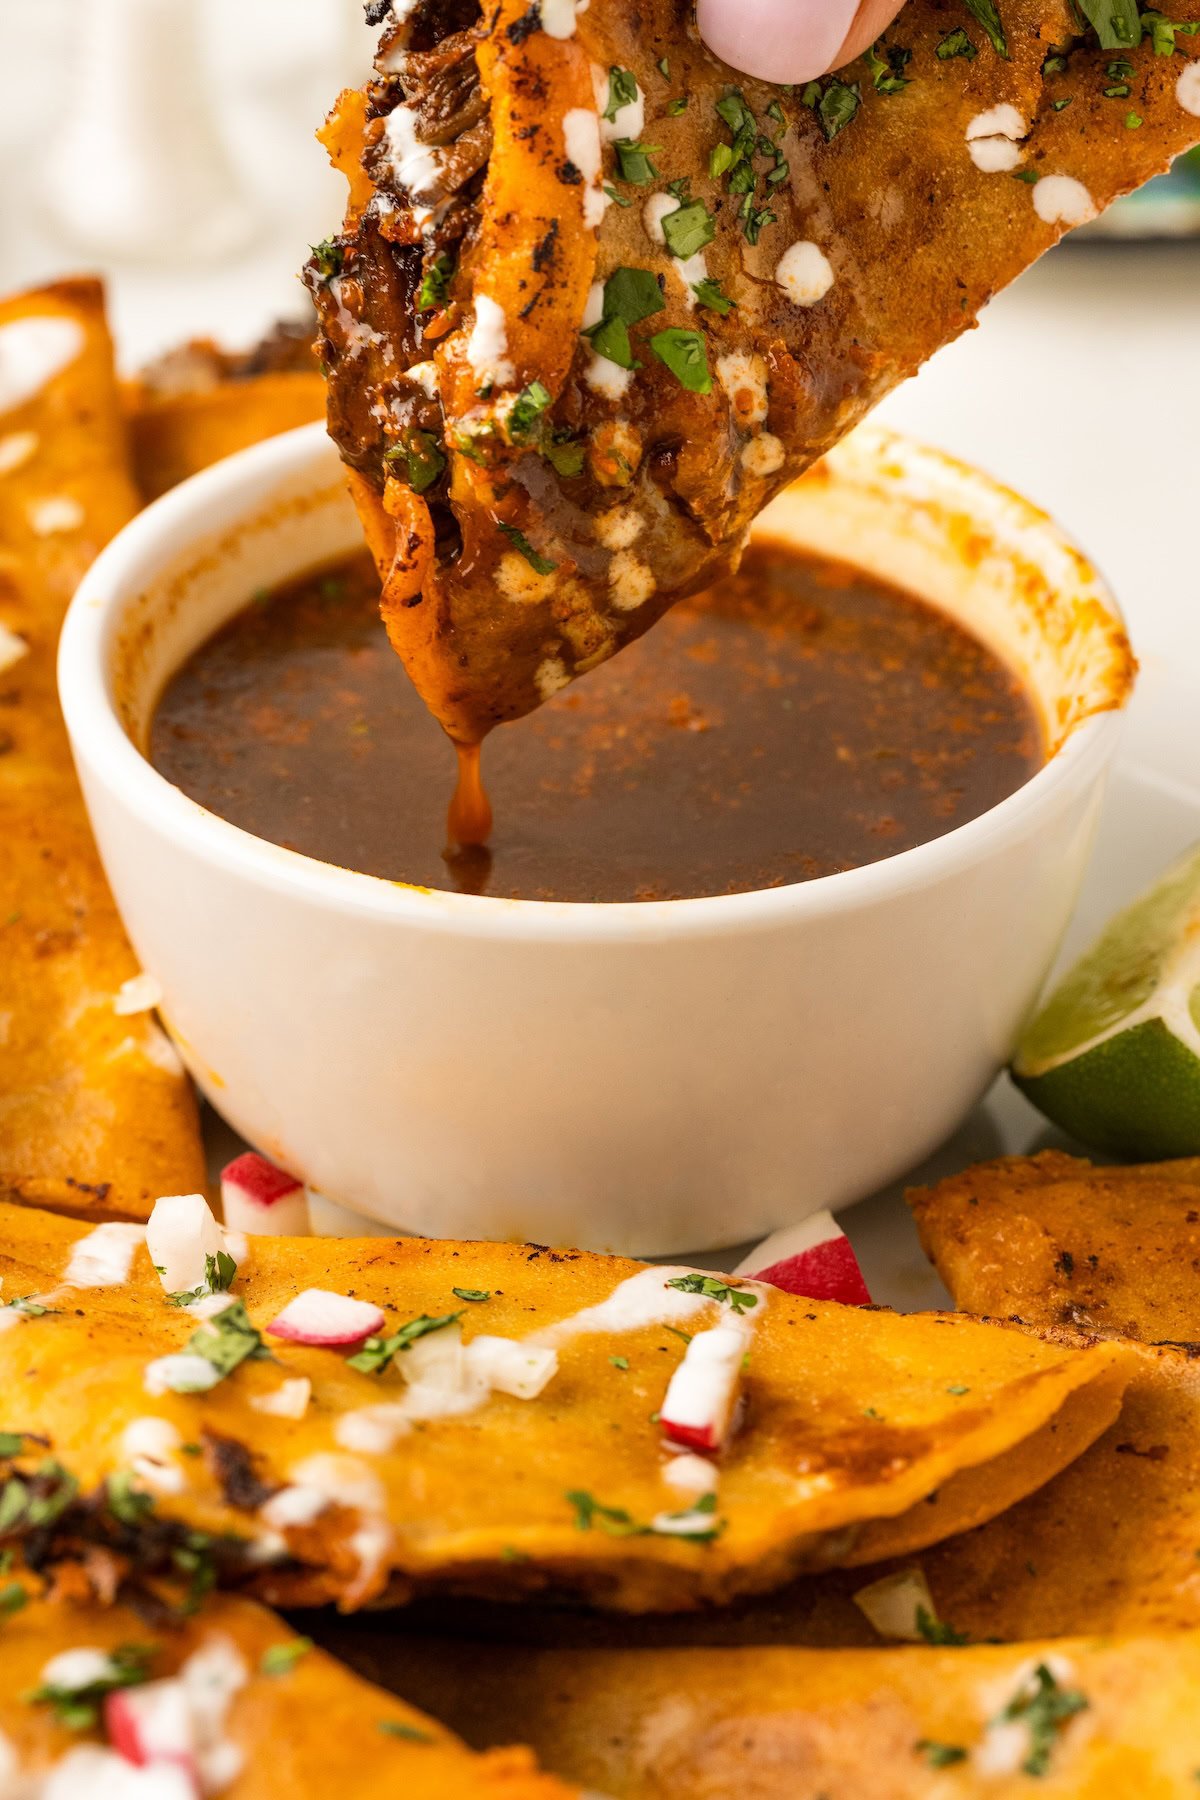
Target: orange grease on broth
<point>798,719</point>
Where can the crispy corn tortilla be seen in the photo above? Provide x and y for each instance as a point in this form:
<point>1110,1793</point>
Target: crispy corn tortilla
<point>1111,1544</point>
<point>96,1114</point>
<point>1055,1241</point>
<point>533,504</point>
<point>309,1730</point>
<point>857,1437</point>
<point>175,435</point>
<point>776,1724</point>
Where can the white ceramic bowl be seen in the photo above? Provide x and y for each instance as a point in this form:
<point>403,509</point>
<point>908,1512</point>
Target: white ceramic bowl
<point>650,1078</point>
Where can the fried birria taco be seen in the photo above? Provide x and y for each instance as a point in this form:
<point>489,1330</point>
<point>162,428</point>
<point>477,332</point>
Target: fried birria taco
<point>226,1702</point>
<point>96,1113</point>
<point>597,298</point>
<point>358,1420</point>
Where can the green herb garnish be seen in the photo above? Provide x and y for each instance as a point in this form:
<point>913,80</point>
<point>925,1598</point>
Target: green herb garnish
<point>934,1631</point>
<point>675,107</point>
<point>1115,22</point>
<point>416,459</point>
<point>714,1289</point>
<point>11,1443</point>
<point>219,1274</point>
<point>619,1362</point>
<point>227,1340</point>
<point>524,418</point>
<point>435,283</point>
<point>281,1659</point>
<point>541,565</point>
<point>565,455</point>
<point>988,14</point>
<point>684,353</point>
<point>475,1295</point>
<point>688,229</point>
<point>1044,1710</point>
<point>630,295</point>
<point>622,91</point>
<point>940,1756</point>
<point>329,259</point>
<point>634,159</point>
<point>956,43</point>
<point>708,293</point>
<point>396,1728</point>
<point>378,1352</point>
<point>837,106</point>
<point>78,1708</point>
<point>886,67</point>
<point>12,1598</point>
<point>127,1502</point>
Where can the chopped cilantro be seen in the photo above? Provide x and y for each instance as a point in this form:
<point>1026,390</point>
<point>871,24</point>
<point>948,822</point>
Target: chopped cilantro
<point>1120,90</point>
<point>935,1631</point>
<point>621,199</point>
<point>565,455</point>
<point>630,295</point>
<point>329,259</point>
<point>475,1295</point>
<point>939,1756</point>
<point>1062,105</point>
<point>378,1352</point>
<point>677,106</point>
<point>36,1500</point>
<point>708,293</point>
<point>956,43</point>
<point>435,283</point>
<point>1162,31</point>
<point>686,1337</point>
<point>78,1708</point>
<point>1133,121</point>
<point>1115,22</point>
<point>416,459</point>
<point>688,229</point>
<point>12,1598</point>
<point>409,1734</point>
<point>1029,176</point>
<point>11,1442</point>
<point>1044,1709</point>
<point>714,1289</point>
<point>634,160</point>
<point>956,1388</point>
<point>1121,69</point>
<point>27,1306</point>
<point>988,14</point>
<point>622,91</point>
<point>525,415</point>
<point>541,565</point>
<point>1055,64</point>
<point>886,68</point>
<point>619,1362</point>
<point>664,68</point>
<point>775,111</point>
<point>684,353</point>
<point>220,1272</point>
<point>281,1659</point>
<point>227,1339</point>
<point>592,1514</point>
<point>127,1502</point>
<point>837,106</point>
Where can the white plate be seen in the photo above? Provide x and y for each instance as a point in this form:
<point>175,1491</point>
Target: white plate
<point>1151,814</point>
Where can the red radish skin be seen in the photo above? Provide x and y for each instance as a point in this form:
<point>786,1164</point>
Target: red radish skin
<point>702,1396</point>
<point>813,1260</point>
<point>263,1199</point>
<point>327,1320</point>
<point>153,1724</point>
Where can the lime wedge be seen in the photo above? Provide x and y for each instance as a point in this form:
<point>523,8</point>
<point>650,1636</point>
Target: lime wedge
<point>1113,1056</point>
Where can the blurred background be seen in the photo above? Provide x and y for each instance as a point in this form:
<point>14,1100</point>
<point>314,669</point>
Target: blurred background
<point>169,144</point>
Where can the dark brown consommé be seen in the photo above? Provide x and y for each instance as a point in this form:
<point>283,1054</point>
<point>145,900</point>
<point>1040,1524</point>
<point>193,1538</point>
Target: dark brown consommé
<point>798,719</point>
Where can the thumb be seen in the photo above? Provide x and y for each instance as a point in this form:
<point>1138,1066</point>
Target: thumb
<point>791,40</point>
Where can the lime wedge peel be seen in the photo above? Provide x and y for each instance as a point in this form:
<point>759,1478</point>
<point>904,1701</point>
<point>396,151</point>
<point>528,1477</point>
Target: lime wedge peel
<point>1113,1055</point>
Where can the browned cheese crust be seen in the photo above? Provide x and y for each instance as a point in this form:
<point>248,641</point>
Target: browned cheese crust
<point>533,504</point>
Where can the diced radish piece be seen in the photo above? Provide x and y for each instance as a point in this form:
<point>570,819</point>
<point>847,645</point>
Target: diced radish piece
<point>181,1236</point>
<point>521,1370</point>
<point>152,1724</point>
<point>893,1605</point>
<point>703,1391</point>
<point>812,1259</point>
<point>320,1317</point>
<point>265,1200</point>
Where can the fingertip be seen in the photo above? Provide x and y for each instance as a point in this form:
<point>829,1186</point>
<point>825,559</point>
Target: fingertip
<point>777,40</point>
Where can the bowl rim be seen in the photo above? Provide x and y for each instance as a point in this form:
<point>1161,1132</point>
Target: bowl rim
<point>102,746</point>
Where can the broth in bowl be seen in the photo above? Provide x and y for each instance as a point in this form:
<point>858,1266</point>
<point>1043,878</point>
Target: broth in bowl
<point>798,719</point>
